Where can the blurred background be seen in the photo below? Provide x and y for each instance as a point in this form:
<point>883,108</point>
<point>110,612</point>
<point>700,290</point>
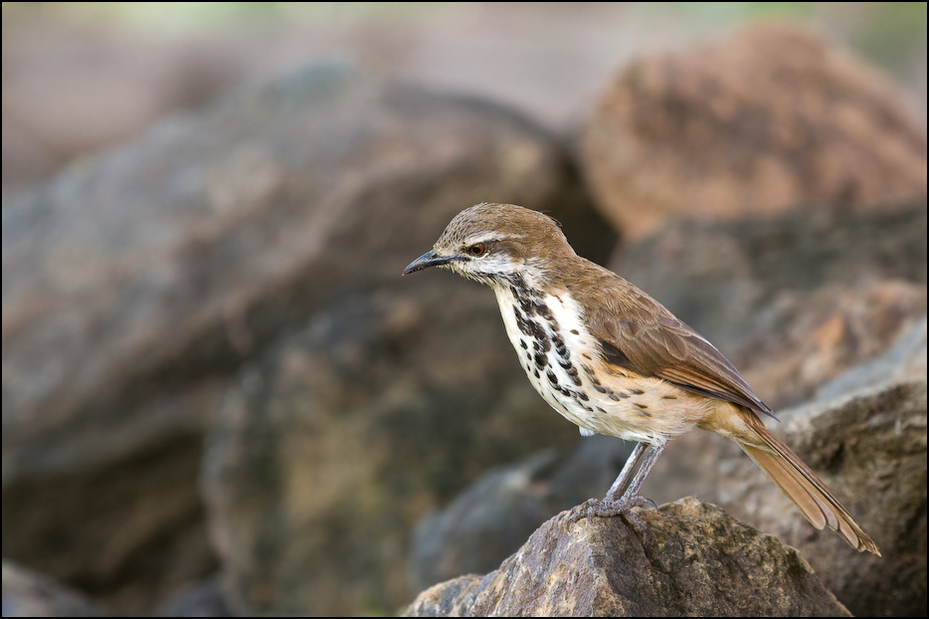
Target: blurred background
<point>220,398</point>
<point>81,76</point>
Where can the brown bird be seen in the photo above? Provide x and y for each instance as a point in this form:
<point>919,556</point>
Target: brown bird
<point>614,361</point>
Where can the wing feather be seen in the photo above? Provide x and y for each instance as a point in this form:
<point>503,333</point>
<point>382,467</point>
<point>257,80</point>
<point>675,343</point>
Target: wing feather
<point>638,333</point>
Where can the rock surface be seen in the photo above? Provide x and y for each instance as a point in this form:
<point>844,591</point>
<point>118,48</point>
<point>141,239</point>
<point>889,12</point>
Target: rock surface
<point>868,443</point>
<point>27,594</point>
<point>694,560</point>
<point>768,119</point>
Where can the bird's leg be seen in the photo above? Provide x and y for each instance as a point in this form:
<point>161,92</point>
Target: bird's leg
<point>625,477</point>
<point>623,494</point>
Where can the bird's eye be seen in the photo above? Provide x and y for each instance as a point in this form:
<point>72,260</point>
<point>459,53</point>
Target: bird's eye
<point>477,249</point>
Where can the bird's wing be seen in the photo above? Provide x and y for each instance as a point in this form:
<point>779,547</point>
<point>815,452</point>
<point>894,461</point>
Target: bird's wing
<point>640,334</point>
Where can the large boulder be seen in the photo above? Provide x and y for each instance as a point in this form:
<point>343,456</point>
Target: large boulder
<point>764,120</point>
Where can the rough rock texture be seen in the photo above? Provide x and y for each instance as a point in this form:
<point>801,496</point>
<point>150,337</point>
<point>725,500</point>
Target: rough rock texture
<point>694,560</point>
<point>868,444</point>
<point>27,594</point>
<point>765,120</point>
<point>136,284</point>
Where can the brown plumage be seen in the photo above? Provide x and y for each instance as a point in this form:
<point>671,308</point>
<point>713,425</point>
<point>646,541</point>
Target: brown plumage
<point>614,361</point>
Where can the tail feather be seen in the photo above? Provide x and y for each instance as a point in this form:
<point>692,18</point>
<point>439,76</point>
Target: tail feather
<point>805,489</point>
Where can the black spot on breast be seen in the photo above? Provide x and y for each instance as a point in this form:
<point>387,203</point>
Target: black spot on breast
<point>552,378</point>
<point>640,405</point>
<point>669,397</point>
<point>541,360</point>
<point>560,347</point>
<point>575,332</point>
<point>528,326</point>
<point>542,310</point>
<point>524,344</point>
<point>636,391</point>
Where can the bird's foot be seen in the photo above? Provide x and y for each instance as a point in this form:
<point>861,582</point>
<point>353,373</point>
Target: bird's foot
<point>608,508</point>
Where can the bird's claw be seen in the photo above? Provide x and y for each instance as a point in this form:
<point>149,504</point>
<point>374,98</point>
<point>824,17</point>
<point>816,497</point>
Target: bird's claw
<point>607,509</point>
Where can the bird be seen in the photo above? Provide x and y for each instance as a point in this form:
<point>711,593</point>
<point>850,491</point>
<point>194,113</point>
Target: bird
<point>614,361</point>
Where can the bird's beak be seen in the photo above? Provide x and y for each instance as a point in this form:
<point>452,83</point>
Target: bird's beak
<point>428,259</point>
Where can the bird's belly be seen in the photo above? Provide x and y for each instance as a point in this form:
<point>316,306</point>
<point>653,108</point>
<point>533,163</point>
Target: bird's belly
<point>562,363</point>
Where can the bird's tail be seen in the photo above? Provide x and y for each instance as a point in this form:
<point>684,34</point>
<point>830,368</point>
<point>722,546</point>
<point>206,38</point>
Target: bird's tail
<point>805,489</point>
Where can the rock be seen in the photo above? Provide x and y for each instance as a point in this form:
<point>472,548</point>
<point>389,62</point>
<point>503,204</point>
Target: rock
<point>390,394</point>
<point>792,300</point>
<point>338,439</point>
<point>493,517</point>
<point>199,599</point>
<point>694,560</point>
<point>868,443</point>
<point>769,119</point>
<point>28,594</point>
<point>137,283</point>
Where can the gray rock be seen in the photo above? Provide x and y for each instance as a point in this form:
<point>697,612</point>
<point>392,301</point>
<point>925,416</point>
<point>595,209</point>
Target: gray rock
<point>28,594</point>
<point>692,560</point>
<point>868,443</point>
<point>204,598</point>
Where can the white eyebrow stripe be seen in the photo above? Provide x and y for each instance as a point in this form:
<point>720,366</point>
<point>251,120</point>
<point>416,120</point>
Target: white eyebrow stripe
<point>487,237</point>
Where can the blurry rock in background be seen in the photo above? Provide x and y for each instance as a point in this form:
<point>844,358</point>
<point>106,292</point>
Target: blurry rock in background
<point>768,119</point>
<point>27,594</point>
<point>80,76</point>
<point>137,283</point>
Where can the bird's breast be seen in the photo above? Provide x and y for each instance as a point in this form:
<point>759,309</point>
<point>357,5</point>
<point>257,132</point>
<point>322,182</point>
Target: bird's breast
<point>564,363</point>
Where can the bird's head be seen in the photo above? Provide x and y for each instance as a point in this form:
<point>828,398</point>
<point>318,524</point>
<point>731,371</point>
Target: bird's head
<point>492,243</point>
